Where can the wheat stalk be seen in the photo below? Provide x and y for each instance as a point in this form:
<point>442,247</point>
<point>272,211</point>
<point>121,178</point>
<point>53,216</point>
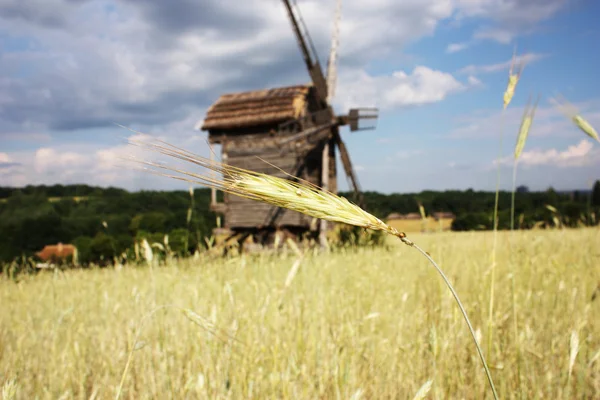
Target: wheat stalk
<point>526,122</point>
<point>571,112</point>
<point>573,350</point>
<point>513,79</point>
<point>300,196</point>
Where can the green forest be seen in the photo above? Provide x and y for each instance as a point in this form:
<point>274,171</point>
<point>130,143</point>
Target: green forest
<point>102,222</point>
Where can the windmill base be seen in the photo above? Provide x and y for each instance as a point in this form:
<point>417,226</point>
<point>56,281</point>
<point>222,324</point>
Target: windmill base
<point>266,238</point>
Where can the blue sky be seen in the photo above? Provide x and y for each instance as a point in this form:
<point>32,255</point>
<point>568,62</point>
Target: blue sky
<point>437,70</point>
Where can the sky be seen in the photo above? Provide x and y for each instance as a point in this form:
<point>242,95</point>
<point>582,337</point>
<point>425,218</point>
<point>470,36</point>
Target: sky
<point>70,70</point>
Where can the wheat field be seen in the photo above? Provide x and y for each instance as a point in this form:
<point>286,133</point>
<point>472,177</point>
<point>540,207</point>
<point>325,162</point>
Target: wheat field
<point>359,323</point>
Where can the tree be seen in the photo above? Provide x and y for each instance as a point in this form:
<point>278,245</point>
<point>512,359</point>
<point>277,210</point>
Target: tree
<point>596,194</point>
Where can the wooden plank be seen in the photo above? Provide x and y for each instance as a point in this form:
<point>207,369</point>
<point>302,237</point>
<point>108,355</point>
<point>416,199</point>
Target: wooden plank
<point>325,186</point>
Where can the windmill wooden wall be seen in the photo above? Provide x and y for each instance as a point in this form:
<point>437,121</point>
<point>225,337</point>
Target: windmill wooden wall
<point>246,125</point>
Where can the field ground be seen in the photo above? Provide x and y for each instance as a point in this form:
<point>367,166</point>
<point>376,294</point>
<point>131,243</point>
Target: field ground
<point>360,323</point>
<point>418,225</point>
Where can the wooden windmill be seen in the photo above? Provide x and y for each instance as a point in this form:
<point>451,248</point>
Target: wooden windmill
<point>288,130</point>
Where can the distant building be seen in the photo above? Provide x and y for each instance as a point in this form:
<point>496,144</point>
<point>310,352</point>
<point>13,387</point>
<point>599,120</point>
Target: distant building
<point>412,222</point>
<point>443,215</point>
<point>394,216</point>
<point>58,253</point>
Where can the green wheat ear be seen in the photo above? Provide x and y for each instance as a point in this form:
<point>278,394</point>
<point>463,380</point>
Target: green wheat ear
<point>513,79</point>
<point>300,196</point>
<point>571,112</point>
<point>526,122</point>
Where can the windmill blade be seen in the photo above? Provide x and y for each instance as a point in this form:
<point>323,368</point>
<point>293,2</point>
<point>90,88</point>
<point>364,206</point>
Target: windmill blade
<point>308,51</point>
<point>332,62</point>
<point>347,163</point>
<point>311,135</point>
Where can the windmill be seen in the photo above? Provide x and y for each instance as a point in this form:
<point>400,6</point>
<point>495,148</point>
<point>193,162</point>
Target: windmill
<point>285,131</point>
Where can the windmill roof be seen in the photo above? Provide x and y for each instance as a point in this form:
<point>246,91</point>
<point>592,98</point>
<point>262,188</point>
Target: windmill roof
<point>258,107</point>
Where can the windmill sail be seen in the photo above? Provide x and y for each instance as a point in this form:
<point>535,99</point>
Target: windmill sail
<point>332,62</point>
<point>308,51</point>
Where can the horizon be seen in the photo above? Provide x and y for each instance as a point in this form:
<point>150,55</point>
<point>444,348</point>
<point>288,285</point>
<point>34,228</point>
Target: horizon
<point>437,71</point>
<point>529,190</point>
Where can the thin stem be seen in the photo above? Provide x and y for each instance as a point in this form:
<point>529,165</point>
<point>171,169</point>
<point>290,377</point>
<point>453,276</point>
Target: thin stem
<point>512,202</point>
<point>512,274</point>
<point>133,348</point>
<point>495,243</point>
<point>139,331</point>
<point>462,310</point>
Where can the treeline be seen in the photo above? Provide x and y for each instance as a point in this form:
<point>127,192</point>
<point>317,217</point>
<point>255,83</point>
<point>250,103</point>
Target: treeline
<point>101,222</point>
<point>105,222</point>
<point>474,209</point>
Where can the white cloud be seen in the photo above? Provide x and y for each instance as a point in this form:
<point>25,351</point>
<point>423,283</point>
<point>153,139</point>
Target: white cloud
<point>156,66</point>
<point>578,155</point>
<point>509,18</point>
<point>48,161</point>
<point>99,165</point>
<point>500,35</point>
<point>456,47</point>
<point>474,81</point>
<point>524,59</point>
<point>549,122</point>
<point>422,86</point>
<point>93,62</point>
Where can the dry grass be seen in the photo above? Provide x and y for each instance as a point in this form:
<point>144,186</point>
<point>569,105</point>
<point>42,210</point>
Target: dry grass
<point>364,323</point>
<point>418,225</point>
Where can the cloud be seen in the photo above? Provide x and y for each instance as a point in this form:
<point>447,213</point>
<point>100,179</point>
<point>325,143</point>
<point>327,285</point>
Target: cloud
<point>4,158</point>
<point>93,62</point>
<point>508,18</point>
<point>474,81</point>
<point>578,155</point>
<point>71,68</point>
<point>89,63</point>
<point>456,47</point>
<point>96,165</point>
<point>459,166</point>
<point>527,58</point>
<point>549,122</point>
<point>500,35</point>
<point>400,89</point>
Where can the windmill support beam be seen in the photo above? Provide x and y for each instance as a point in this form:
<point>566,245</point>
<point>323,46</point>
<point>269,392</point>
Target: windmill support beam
<point>324,186</point>
<point>213,191</point>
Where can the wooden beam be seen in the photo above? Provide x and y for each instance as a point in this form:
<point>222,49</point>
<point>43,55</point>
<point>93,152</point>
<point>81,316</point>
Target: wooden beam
<point>213,191</point>
<point>324,186</point>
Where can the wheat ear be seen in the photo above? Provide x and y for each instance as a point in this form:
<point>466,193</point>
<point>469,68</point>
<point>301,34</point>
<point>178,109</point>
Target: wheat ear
<point>513,79</point>
<point>526,122</point>
<point>571,112</point>
<point>300,196</point>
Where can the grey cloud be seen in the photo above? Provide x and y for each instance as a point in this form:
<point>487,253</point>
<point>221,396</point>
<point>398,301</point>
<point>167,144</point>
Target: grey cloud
<point>8,164</point>
<point>176,17</point>
<point>151,62</point>
<point>53,14</point>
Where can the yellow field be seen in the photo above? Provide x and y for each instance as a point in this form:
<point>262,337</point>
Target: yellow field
<point>358,324</point>
<point>419,225</point>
